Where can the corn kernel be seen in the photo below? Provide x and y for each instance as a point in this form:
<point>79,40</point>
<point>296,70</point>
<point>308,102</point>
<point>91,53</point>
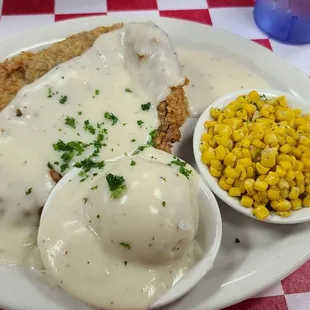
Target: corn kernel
<point>296,152</point>
<point>224,141</point>
<point>245,162</point>
<point>250,172</point>
<point>234,123</point>
<point>234,192</point>
<point>223,184</point>
<point>285,148</point>
<point>272,178</point>
<point>261,212</point>
<point>246,201</point>
<point>246,153</point>
<point>283,184</point>
<point>285,165</point>
<point>230,181</point>
<point>290,175</point>
<point>245,143</point>
<point>281,173</point>
<point>291,141</point>
<point>299,177</point>
<point>254,96</point>
<point>306,201</point>
<point>209,124</point>
<point>268,158</point>
<point>296,204</point>
<point>273,194</point>
<point>220,152</point>
<point>261,169</point>
<point>259,144</point>
<point>249,186</point>
<point>294,193</point>
<point>231,172</point>
<point>216,164</point>
<point>281,205</point>
<point>284,193</point>
<point>229,159</point>
<point>215,113</point>
<point>237,152</point>
<point>208,155</point>
<point>214,172</point>
<point>238,134</point>
<point>306,162</point>
<point>260,185</point>
<point>283,213</point>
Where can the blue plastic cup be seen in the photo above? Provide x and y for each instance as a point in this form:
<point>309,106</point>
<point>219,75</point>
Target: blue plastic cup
<point>284,20</point>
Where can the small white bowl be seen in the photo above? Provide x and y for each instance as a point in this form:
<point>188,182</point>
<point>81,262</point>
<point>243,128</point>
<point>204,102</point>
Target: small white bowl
<point>299,216</point>
<point>209,235</point>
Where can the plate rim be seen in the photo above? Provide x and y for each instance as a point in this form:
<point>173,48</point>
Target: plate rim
<point>82,24</point>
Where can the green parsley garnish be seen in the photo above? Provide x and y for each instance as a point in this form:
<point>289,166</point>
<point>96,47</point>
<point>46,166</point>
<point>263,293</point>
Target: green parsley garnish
<point>182,165</point>
<point>94,188</point>
<point>140,149</point>
<point>70,149</point>
<point>86,165</point>
<point>111,117</point>
<point>88,127</point>
<point>152,137</point>
<point>85,199</point>
<point>49,95</point>
<point>133,163</point>
<point>63,99</point>
<point>164,179</point>
<point>97,91</point>
<point>80,113</point>
<point>163,203</point>
<point>70,121</point>
<point>128,90</point>
<point>50,166</point>
<point>145,106</point>
<point>28,191</point>
<point>98,216</point>
<point>140,123</point>
<point>133,140</point>
<point>125,245</point>
<point>125,262</point>
<point>116,184</point>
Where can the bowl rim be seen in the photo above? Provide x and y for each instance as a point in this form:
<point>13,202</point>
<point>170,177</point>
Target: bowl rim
<point>303,215</point>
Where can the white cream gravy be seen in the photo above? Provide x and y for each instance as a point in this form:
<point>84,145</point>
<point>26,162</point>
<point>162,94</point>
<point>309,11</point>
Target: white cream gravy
<point>108,78</point>
<point>212,76</point>
<point>122,253</point>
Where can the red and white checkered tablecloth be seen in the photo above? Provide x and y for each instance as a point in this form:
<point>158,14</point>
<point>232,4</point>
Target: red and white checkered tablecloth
<point>293,293</point>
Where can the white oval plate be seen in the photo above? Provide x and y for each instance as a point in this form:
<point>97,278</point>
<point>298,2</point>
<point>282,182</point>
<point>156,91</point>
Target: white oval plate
<point>266,253</point>
<point>299,216</point>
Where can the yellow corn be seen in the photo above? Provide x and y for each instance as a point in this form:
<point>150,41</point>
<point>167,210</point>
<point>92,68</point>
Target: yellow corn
<point>230,181</point>
<point>249,186</point>
<point>250,172</point>
<point>285,148</point>
<point>215,113</point>
<point>261,169</point>
<point>259,148</point>
<point>220,152</point>
<point>306,201</point>
<point>261,212</point>
<point>281,205</point>
<point>284,213</point>
<point>294,193</point>
<point>246,201</point>
<point>237,152</point>
<point>273,194</point>
<point>231,172</point>
<point>208,155</point>
<point>260,185</point>
<point>214,172</point>
<point>234,192</point>
<point>223,184</point>
<point>229,159</point>
<point>296,204</point>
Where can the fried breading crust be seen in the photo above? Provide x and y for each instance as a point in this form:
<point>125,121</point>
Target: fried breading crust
<point>28,67</point>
